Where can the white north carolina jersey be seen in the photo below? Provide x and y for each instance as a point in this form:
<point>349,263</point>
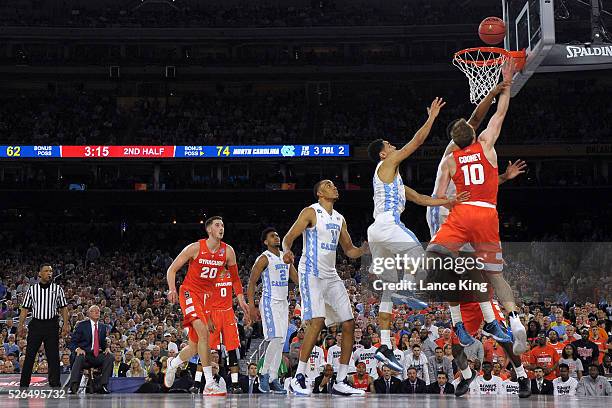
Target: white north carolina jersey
<point>435,215</point>
<point>316,362</point>
<point>333,357</point>
<point>367,356</point>
<point>275,277</point>
<point>320,242</point>
<point>565,388</point>
<point>480,386</point>
<point>388,197</point>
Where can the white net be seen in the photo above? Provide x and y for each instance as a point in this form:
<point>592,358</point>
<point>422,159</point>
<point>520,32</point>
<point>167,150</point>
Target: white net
<point>482,67</point>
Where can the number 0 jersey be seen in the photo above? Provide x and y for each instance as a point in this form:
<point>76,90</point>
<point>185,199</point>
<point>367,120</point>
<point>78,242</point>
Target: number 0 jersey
<point>475,174</point>
<point>203,271</point>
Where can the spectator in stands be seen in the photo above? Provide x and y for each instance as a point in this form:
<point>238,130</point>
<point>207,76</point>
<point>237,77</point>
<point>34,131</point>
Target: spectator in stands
<point>136,369</point>
<point>427,344</point>
<point>65,364</point>
<point>8,368</point>
<point>564,384</point>
<point>10,346</point>
<point>418,361</point>
<point>569,357</point>
<point>120,368</point>
<point>250,383</point>
<point>439,363</point>
<point>588,352</point>
<point>594,384</point>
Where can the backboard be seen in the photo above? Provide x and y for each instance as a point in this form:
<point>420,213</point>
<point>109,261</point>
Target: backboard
<point>530,25</point>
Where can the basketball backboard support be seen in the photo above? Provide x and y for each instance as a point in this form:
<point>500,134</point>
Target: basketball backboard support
<point>530,26</point>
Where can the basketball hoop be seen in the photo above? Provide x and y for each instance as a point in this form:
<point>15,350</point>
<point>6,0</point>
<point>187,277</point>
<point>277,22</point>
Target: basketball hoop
<point>483,67</point>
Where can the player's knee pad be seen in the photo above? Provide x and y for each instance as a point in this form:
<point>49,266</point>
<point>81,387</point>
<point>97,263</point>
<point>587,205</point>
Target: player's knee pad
<point>232,358</point>
<point>386,307</point>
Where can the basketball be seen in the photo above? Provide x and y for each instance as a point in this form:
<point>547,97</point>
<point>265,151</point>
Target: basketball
<point>492,30</point>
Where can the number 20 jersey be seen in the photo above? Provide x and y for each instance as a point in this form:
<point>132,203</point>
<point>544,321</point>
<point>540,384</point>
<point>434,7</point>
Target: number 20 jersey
<point>204,270</point>
<point>475,174</point>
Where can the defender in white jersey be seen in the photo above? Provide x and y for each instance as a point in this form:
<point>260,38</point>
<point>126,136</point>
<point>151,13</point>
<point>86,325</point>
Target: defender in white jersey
<point>366,355</point>
<point>273,306</point>
<point>388,236</point>
<point>323,293</point>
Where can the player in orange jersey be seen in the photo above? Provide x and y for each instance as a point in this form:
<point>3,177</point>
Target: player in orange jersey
<point>207,258</point>
<point>220,312</point>
<point>473,168</point>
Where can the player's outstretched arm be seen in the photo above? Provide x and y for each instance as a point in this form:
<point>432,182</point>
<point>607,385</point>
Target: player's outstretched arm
<point>483,107</point>
<point>258,267</point>
<point>188,253</point>
<point>513,170</point>
<point>428,201</point>
<point>489,136</point>
<point>347,244</point>
<point>307,218</point>
<point>396,157</point>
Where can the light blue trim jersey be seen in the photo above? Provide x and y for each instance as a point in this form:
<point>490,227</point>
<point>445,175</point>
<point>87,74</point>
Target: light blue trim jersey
<point>320,243</point>
<point>388,197</point>
<point>275,278</point>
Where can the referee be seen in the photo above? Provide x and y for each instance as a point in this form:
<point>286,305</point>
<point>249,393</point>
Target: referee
<point>43,299</point>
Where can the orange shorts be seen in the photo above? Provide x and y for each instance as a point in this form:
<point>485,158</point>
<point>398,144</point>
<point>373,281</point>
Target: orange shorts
<point>226,330</point>
<point>475,225</point>
<point>472,317</point>
<point>193,308</point>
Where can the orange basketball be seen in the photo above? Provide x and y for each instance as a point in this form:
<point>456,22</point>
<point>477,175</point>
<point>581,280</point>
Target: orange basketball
<point>492,30</point>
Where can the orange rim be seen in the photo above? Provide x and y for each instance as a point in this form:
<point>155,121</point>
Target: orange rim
<point>504,55</point>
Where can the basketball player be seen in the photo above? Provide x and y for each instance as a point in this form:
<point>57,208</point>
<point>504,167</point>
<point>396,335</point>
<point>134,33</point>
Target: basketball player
<point>323,292</point>
<point>388,236</point>
<point>206,259</point>
<point>473,168</point>
<point>221,313</point>
<point>273,306</point>
<point>366,355</point>
<point>361,380</point>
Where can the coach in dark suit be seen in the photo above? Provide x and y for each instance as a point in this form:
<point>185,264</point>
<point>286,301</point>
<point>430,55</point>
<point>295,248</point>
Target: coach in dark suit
<point>540,385</point>
<point>323,384</point>
<point>388,384</point>
<point>442,386</point>
<point>413,384</point>
<point>250,383</point>
<point>89,345</point>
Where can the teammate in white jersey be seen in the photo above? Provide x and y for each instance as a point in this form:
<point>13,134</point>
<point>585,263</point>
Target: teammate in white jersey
<point>388,236</point>
<point>333,353</point>
<point>487,383</point>
<point>323,293</point>
<point>366,355</point>
<point>273,306</point>
<point>564,385</point>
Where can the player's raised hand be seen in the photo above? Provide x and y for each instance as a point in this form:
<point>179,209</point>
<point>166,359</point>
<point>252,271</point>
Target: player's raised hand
<point>434,110</point>
<point>516,168</point>
<point>288,257</point>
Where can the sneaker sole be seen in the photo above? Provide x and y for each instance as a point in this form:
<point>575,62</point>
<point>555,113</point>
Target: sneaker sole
<point>300,393</point>
<point>166,384</point>
<point>383,359</point>
<point>520,342</point>
<point>343,394</point>
<point>499,339</point>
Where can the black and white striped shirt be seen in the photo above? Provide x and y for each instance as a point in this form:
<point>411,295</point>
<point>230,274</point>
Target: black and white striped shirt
<point>44,301</point>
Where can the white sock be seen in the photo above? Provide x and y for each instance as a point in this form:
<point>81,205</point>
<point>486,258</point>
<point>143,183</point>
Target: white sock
<point>234,378</point>
<point>385,338</point>
<point>520,372</point>
<point>301,368</point>
<point>456,314</point>
<point>467,373</point>
<point>515,322</point>
<point>277,356</point>
<point>198,376</point>
<point>487,311</point>
<point>176,361</point>
<point>342,371</point>
<point>208,375</point>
